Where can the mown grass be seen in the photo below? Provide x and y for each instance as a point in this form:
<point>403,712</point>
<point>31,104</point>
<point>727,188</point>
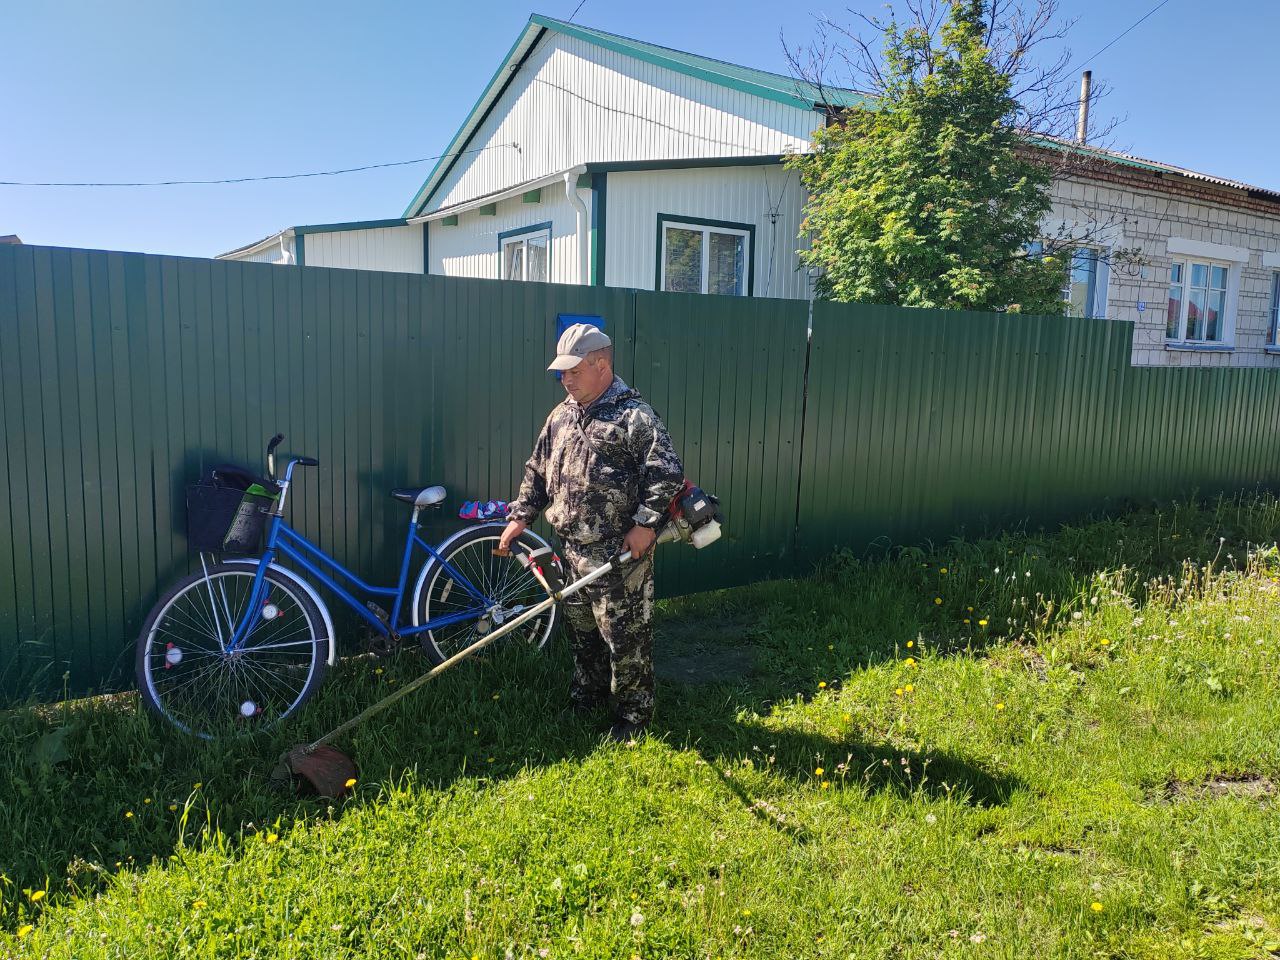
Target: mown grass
<point>1090,772</point>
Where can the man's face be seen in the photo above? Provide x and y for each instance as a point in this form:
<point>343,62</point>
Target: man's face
<point>588,379</point>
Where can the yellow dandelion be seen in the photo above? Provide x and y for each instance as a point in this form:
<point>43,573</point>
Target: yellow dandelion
<point>378,671</point>
<point>910,661</point>
<point>982,623</point>
<point>199,904</point>
<point>173,807</point>
<point>25,929</point>
<point>128,814</point>
<point>999,706</point>
<point>848,717</point>
<point>198,785</point>
<point>147,800</point>
<point>822,685</point>
<point>937,600</point>
<point>1096,907</point>
<point>942,569</point>
<point>908,688</point>
<point>273,837</point>
<point>897,692</point>
<point>970,609</point>
<point>36,896</point>
<point>490,760</point>
<point>910,644</point>
<point>826,784</point>
<point>819,772</point>
<point>350,783</point>
<point>1104,641</point>
<point>966,619</point>
<point>746,913</point>
<point>831,646</point>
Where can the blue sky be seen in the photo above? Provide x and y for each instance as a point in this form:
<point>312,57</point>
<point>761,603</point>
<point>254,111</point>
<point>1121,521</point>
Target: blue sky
<point>153,89</point>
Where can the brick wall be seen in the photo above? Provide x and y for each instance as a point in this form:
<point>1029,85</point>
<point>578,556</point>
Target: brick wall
<point>1141,210</point>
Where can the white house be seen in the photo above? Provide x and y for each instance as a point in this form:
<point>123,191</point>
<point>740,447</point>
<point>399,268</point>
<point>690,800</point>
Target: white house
<point>594,158</point>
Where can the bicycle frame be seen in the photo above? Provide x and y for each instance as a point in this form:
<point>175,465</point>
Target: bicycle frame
<point>283,540</point>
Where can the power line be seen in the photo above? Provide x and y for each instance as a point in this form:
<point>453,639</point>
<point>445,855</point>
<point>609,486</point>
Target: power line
<point>1122,35</point>
<point>576,9</point>
<point>278,176</point>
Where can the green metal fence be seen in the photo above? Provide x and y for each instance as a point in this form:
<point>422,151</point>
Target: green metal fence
<point>123,376</point>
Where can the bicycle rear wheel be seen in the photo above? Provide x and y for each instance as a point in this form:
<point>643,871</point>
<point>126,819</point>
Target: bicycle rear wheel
<point>510,588</point>
<point>186,674</point>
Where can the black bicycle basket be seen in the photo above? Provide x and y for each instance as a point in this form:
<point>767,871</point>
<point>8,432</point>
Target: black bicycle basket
<point>228,510</point>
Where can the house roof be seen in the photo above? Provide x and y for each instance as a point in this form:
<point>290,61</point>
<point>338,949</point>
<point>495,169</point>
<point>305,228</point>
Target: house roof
<point>303,230</point>
<point>762,83</point>
<point>1141,163</point>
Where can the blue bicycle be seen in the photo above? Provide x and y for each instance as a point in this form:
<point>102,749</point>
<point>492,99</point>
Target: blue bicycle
<point>243,643</point>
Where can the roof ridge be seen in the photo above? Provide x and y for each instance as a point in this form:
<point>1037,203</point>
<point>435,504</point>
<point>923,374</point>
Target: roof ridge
<point>686,53</point>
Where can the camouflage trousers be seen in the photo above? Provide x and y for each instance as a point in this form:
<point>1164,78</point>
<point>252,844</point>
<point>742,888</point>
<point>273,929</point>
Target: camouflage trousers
<point>610,627</point>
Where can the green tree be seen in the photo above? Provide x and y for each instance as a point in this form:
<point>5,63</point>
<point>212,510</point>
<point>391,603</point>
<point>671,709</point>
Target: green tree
<point>924,196</point>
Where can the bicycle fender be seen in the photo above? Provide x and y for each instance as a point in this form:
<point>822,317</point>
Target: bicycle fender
<point>306,588</point>
<point>443,548</point>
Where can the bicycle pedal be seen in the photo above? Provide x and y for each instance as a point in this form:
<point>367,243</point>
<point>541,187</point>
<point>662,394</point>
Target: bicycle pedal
<point>383,646</point>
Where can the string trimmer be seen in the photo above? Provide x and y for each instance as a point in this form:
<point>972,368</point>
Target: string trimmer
<point>692,518</point>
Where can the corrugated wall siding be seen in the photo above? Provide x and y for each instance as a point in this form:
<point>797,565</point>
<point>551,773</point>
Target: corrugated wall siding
<point>574,102</point>
<point>124,376</point>
<point>398,249</point>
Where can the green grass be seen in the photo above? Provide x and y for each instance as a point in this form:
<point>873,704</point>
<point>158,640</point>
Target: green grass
<point>1108,737</point>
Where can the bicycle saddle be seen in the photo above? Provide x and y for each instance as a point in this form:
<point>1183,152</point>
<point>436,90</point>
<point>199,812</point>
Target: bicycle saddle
<point>420,496</point>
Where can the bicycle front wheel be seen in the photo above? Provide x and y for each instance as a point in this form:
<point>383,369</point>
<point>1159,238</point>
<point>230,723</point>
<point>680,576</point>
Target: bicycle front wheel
<point>186,673</point>
<point>508,588</point>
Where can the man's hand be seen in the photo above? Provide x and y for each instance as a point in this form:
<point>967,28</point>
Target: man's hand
<point>509,535</point>
<point>639,541</point>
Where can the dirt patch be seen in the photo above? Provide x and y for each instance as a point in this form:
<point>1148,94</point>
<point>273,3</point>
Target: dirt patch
<point>1248,786</point>
<point>698,651</point>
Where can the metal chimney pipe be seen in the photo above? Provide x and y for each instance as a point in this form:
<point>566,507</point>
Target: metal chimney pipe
<point>1082,121</point>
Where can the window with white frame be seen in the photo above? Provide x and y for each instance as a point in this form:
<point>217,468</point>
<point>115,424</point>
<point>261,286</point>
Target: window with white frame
<point>1197,301</point>
<point>1274,326</point>
<point>704,257</point>
<point>526,253</point>
<point>1084,288</point>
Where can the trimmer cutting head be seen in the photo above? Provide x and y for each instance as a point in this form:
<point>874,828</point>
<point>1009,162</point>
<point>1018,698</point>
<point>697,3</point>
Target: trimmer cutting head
<point>322,771</point>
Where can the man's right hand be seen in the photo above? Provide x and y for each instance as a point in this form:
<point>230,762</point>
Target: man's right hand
<point>509,535</point>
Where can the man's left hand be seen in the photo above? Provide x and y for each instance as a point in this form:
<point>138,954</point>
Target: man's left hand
<point>639,541</point>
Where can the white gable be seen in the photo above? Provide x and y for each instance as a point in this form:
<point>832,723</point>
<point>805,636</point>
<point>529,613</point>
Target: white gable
<point>575,102</point>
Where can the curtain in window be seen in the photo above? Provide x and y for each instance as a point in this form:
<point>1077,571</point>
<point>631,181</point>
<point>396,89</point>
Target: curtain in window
<point>683,260</point>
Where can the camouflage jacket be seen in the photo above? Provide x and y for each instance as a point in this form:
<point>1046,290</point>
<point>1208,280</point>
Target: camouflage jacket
<point>600,471</point>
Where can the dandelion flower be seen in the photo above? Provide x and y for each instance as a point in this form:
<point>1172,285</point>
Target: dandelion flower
<point>937,600</point>
<point>497,696</point>
<point>848,717</point>
<point>826,784</point>
<point>1104,641</point>
<point>982,623</point>
<point>910,661</point>
<point>746,913</point>
<point>198,905</point>
<point>198,784</point>
<point>942,569</point>
<point>25,929</point>
<point>970,609</point>
<point>1096,907</point>
<point>272,837</point>
<point>999,706</point>
<point>910,644</point>
<point>897,692</point>
<point>128,814</point>
<point>819,772</point>
<point>350,783</point>
<point>822,685</point>
<point>147,800</point>
<point>831,646</point>
<point>908,688</point>
<point>966,619</point>
<point>173,807</point>
<point>36,896</point>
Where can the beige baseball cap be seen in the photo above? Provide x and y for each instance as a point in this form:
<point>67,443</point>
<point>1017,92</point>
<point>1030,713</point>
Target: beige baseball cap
<point>575,343</point>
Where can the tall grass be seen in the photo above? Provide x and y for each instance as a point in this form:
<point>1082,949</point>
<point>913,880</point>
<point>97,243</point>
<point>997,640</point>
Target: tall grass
<point>1057,743</point>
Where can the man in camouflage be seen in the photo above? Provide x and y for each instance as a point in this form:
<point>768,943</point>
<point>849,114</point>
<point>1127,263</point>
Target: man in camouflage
<point>605,471</point>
